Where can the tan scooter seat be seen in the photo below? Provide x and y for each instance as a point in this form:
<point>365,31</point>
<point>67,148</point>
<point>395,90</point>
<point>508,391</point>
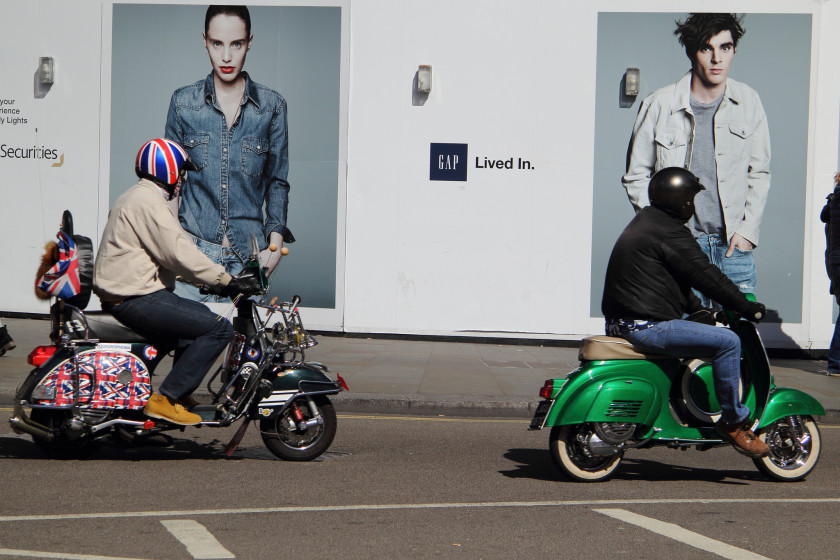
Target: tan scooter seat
<point>614,348</point>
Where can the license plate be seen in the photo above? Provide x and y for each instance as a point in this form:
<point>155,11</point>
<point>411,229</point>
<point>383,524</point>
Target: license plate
<point>540,414</point>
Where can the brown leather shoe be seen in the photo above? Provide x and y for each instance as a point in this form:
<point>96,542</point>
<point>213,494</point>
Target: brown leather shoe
<point>161,406</point>
<point>742,438</point>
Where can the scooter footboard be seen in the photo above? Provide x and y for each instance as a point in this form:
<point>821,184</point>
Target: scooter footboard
<point>784,401</point>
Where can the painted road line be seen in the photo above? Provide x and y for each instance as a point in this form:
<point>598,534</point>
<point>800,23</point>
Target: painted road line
<point>442,505</point>
<point>198,540</point>
<point>62,555</point>
<point>682,535</point>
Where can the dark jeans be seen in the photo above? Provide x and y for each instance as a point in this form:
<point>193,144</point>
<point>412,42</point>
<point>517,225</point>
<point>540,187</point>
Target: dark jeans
<point>200,334</point>
<point>834,348</point>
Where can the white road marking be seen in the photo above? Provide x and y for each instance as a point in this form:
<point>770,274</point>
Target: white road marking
<point>682,535</point>
<point>63,556</point>
<point>443,505</point>
<point>199,541</point>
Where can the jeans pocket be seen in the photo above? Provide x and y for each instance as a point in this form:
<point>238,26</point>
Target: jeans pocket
<point>653,338</point>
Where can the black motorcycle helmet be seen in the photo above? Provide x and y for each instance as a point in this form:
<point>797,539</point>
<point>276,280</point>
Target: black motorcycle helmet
<point>673,190</point>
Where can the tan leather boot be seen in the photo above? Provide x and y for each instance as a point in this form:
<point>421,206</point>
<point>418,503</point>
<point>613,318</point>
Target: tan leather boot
<point>161,406</point>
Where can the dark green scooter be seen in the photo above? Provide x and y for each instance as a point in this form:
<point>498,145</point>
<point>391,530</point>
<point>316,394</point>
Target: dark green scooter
<point>622,398</point>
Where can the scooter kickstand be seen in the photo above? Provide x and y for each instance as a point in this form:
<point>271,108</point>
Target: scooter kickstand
<point>237,437</point>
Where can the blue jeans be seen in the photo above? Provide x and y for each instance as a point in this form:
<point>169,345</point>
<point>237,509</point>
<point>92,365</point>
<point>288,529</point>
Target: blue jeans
<point>687,339</point>
<point>200,335</point>
<point>224,256</point>
<point>740,267</point>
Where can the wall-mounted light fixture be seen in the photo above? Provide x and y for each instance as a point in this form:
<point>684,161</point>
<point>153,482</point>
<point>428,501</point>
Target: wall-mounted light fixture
<point>632,78</point>
<point>46,70</point>
<point>424,78</point>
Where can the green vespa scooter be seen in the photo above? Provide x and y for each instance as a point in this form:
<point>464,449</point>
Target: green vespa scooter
<point>621,397</point>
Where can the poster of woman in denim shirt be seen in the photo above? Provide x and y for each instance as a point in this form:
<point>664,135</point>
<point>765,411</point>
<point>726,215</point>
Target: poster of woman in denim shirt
<point>236,133</point>
<point>254,121</point>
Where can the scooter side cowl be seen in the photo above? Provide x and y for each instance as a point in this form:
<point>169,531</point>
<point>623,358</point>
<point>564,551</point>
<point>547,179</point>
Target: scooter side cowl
<point>609,394</point>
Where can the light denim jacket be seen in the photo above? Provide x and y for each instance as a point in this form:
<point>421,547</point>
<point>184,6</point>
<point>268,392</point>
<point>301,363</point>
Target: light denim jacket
<point>663,135</point>
<point>238,170</point>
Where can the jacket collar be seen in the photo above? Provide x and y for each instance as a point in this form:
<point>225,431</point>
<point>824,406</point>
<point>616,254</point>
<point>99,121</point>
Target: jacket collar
<point>682,90</point>
<point>251,92</point>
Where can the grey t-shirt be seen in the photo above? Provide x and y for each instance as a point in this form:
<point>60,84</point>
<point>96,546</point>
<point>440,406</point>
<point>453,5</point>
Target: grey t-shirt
<point>708,217</point>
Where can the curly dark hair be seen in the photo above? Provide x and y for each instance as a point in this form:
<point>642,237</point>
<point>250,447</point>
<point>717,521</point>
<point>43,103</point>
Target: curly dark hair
<point>696,31</point>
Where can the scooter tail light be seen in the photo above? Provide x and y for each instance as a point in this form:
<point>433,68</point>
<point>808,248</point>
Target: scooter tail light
<point>342,382</point>
<point>40,355</point>
<point>547,390</point>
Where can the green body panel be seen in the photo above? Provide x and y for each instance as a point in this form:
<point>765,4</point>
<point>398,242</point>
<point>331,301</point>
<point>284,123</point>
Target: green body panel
<point>789,402</point>
<point>597,390</point>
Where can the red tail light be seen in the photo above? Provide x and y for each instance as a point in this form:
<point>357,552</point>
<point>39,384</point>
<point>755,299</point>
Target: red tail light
<point>40,355</point>
<point>342,382</point>
<point>548,389</point>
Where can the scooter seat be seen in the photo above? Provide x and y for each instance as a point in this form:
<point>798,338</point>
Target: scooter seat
<point>101,325</point>
<point>614,348</point>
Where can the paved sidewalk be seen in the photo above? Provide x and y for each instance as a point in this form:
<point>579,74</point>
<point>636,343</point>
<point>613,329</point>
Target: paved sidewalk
<point>429,377</point>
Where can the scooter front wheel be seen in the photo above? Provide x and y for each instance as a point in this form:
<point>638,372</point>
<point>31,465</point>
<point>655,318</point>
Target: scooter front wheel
<point>572,454</point>
<point>301,439</point>
<point>794,443</point>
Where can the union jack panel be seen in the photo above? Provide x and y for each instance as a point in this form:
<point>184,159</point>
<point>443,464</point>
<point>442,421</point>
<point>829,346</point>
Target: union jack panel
<point>122,381</point>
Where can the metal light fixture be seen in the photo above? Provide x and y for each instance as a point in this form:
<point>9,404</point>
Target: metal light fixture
<point>46,70</point>
<point>632,78</point>
<point>424,78</point>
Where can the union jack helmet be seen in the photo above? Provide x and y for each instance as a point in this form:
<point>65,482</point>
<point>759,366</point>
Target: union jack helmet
<point>163,161</point>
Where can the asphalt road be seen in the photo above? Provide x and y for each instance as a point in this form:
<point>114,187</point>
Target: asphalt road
<point>402,487</point>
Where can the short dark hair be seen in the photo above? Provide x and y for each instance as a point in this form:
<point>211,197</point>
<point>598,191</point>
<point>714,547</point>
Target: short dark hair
<point>223,10</point>
<point>696,31</point>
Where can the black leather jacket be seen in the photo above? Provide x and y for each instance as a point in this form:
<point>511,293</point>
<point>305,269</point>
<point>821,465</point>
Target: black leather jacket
<point>653,267</point>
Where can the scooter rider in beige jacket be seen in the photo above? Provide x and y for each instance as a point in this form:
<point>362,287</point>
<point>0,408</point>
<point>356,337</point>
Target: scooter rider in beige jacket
<point>142,250</point>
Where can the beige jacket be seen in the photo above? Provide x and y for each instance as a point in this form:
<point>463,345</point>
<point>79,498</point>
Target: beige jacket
<point>143,249</point>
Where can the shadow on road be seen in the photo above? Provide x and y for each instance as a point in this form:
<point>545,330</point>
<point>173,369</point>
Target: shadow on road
<point>537,464</point>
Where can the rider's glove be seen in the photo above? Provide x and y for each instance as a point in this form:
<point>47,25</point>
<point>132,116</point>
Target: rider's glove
<point>247,285</point>
<point>755,311</point>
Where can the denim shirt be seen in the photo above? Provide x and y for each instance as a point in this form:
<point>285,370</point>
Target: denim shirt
<point>240,171</point>
<point>663,135</point>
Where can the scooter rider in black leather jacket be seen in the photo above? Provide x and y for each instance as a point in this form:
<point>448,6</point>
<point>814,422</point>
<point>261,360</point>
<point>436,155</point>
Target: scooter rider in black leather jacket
<point>653,267</point>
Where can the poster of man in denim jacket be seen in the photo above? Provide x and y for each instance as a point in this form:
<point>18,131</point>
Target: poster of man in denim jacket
<point>717,128</point>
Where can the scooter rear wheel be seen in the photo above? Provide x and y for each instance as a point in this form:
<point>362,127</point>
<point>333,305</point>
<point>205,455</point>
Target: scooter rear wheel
<point>572,456</point>
<point>794,448</point>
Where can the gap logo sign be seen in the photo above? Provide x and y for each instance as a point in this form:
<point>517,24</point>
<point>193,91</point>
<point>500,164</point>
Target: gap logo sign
<point>448,162</point>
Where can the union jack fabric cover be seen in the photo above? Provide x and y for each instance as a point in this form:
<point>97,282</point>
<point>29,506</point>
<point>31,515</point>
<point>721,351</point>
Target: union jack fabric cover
<point>62,280</point>
<point>109,392</point>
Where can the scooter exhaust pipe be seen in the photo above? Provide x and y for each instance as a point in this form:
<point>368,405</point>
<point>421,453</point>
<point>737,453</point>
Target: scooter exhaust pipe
<point>23,425</point>
<point>600,448</point>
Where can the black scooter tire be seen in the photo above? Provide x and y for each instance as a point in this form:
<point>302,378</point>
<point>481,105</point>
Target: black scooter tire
<point>293,445</point>
<point>569,456</point>
<point>789,460</point>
